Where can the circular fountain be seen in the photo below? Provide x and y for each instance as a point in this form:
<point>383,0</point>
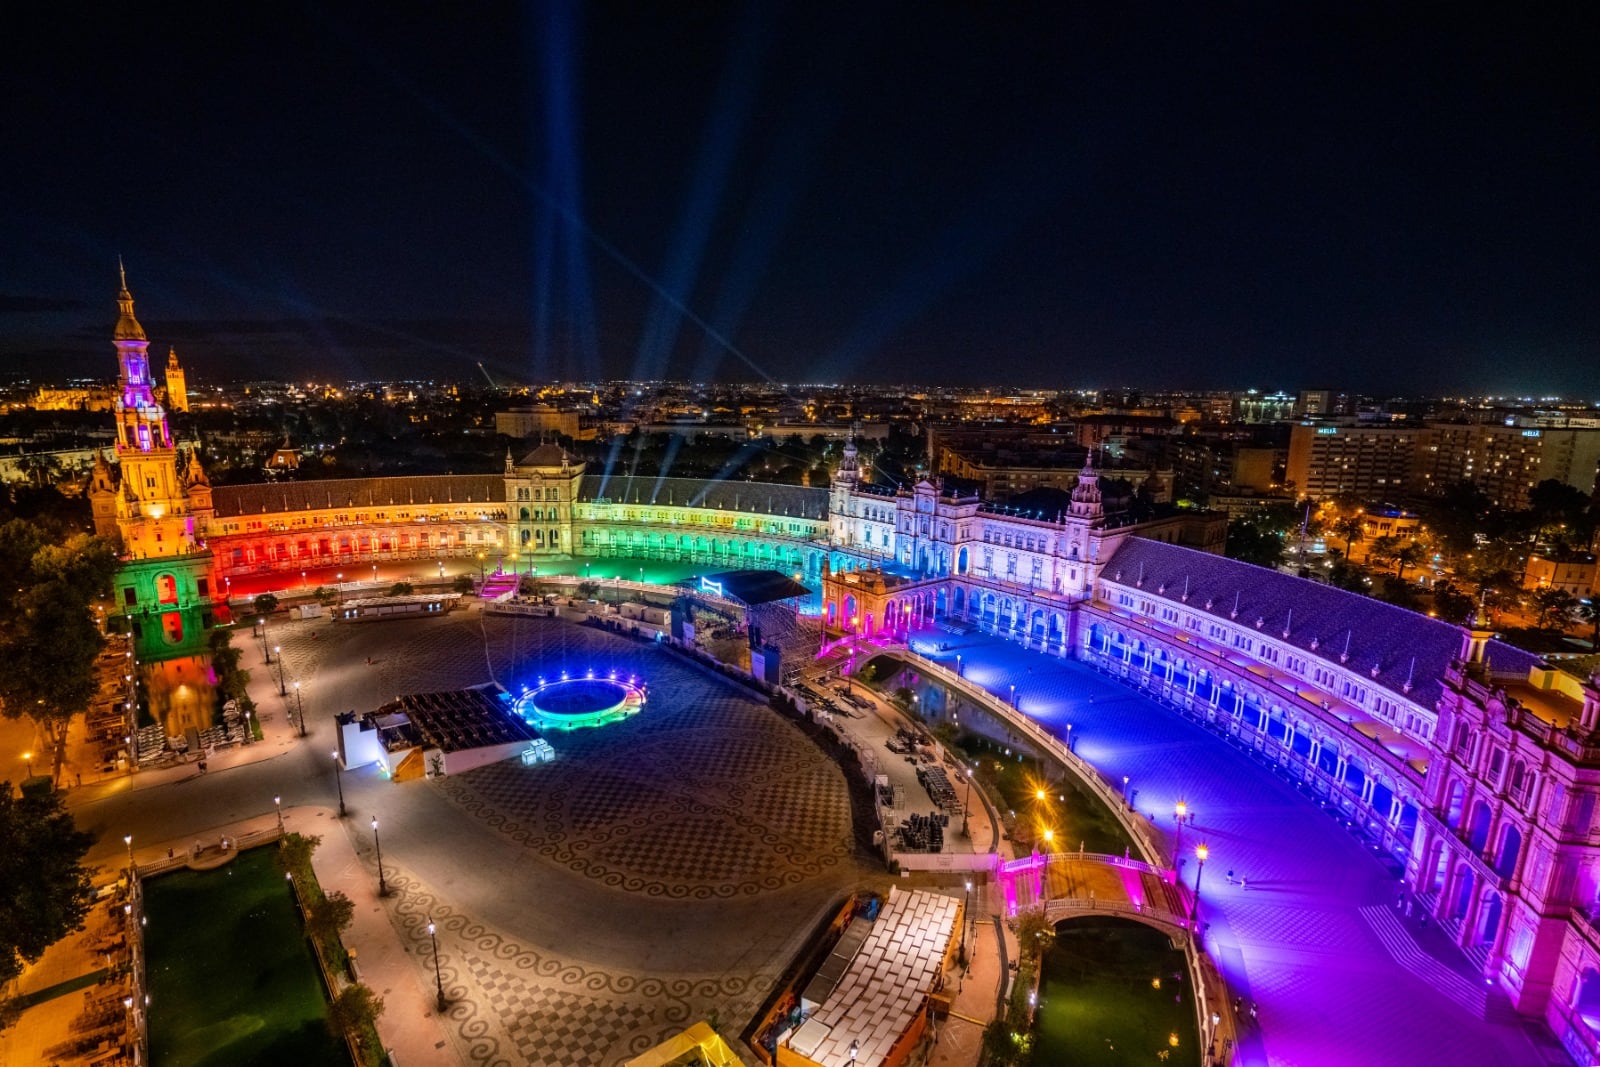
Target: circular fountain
<point>574,703</point>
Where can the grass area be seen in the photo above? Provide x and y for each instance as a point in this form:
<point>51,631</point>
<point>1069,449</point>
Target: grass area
<point>232,976</point>
<point>1069,811</point>
<point>1100,1004</point>
<point>656,571</point>
<point>1033,795</point>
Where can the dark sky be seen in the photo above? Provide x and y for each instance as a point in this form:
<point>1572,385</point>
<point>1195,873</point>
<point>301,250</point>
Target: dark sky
<point>1399,197</point>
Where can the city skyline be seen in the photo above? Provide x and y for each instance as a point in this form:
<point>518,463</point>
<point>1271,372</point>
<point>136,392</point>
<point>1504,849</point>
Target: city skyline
<point>1285,199</point>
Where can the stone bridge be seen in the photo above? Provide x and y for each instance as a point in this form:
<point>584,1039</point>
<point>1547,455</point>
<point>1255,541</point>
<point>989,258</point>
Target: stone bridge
<point>1074,884</point>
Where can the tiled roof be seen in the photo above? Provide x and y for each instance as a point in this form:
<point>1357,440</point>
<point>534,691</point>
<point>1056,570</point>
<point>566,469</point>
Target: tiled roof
<point>756,497</point>
<point>546,455</point>
<point>896,967</point>
<point>1322,620</point>
<point>233,501</point>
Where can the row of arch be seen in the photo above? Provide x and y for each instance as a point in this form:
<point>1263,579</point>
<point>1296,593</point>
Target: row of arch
<point>1241,707</point>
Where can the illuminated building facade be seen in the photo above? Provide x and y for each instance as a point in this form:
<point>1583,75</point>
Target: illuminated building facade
<point>1476,765</point>
<point>157,506</point>
<point>177,388</point>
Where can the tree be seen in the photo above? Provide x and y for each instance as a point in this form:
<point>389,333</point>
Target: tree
<point>49,637</point>
<point>1384,550</point>
<point>266,604</point>
<point>45,891</point>
<point>462,584</point>
<point>1035,932</point>
<point>294,854</point>
<point>354,1009</point>
<point>404,588</point>
<point>325,596</point>
<point>329,917</point>
<point>588,590</point>
<point>1412,555</point>
<point>1554,604</point>
<point>1589,611</point>
<point>1450,603</point>
<point>1250,541</point>
<point>1351,528</point>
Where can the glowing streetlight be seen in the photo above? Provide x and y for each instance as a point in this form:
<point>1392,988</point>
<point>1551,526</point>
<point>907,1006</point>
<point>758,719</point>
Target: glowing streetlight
<point>276,651</point>
<point>1180,811</point>
<point>300,708</point>
<point>383,886</point>
<point>1201,852</point>
<point>437,977</point>
<point>338,778</point>
<point>27,762</point>
<point>277,802</point>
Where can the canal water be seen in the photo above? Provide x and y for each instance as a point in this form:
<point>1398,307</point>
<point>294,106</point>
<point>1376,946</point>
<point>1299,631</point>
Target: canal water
<point>1114,993</point>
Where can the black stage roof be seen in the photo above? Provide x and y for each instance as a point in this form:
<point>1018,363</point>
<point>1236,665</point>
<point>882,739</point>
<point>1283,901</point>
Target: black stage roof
<point>757,587</point>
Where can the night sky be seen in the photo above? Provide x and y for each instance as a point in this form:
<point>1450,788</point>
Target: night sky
<point>1397,199</point>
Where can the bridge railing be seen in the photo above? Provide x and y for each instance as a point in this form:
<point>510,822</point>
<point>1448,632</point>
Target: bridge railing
<point>1137,829</point>
<point>1210,990</point>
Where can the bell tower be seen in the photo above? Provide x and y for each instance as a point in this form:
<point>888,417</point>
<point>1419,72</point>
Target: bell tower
<point>177,388</point>
<point>166,564</point>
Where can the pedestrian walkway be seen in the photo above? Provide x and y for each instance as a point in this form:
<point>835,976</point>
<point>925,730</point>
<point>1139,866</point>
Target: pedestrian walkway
<point>1283,889</point>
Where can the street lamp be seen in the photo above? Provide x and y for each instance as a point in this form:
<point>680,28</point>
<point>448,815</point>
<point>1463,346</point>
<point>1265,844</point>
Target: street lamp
<point>265,651</point>
<point>1013,695</point>
<point>966,802</point>
<point>127,839</point>
<point>276,651</point>
<point>383,886</point>
<point>1180,811</point>
<point>853,1051</point>
<point>300,708</point>
<point>438,979</point>
<point>1201,852</point>
<point>27,761</point>
<point>338,778</point>
<point>249,734</point>
<point>277,802</point>
<point>1124,790</point>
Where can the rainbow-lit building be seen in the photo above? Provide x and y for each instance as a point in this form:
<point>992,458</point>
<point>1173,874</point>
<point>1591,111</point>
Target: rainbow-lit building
<point>1475,764</point>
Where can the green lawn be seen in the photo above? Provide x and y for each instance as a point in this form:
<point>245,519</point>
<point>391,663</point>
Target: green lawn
<point>232,977</point>
<point>1074,814</point>
<point>1099,1006</point>
<point>656,571</point>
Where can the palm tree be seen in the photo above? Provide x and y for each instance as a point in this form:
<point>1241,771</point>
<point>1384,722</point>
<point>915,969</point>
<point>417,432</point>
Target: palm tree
<point>1352,528</point>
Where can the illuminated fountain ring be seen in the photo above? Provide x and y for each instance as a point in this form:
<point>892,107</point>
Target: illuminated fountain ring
<point>573,703</point>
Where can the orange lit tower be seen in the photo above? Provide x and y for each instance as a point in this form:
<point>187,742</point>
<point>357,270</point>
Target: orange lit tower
<point>158,501</point>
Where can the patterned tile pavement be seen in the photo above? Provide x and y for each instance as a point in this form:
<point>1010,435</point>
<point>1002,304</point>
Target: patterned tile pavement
<point>706,808</point>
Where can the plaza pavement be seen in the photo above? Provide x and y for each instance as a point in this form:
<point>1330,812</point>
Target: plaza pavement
<point>1309,937</point>
<point>660,871</point>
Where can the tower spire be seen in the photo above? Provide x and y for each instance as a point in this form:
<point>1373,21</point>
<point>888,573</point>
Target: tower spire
<point>128,328</point>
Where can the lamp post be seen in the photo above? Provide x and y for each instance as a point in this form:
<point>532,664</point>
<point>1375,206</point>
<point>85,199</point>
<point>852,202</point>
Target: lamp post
<point>266,652</point>
<point>966,802</point>
<point>127,839</point>
<point>1201,852</point>
<point>276,651</point>
<point>27,762</point>
<point>249,734</point>
<point>480,568</point>
<point>1179,812</point>
<point>277,802</point>
<point>383,886</point>
<point>438,978</point>
<point>300,709</point>
<point>338,778</point>
<point>853,1051</point>
<point>1124,790</point>
<point>1013,695</point>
